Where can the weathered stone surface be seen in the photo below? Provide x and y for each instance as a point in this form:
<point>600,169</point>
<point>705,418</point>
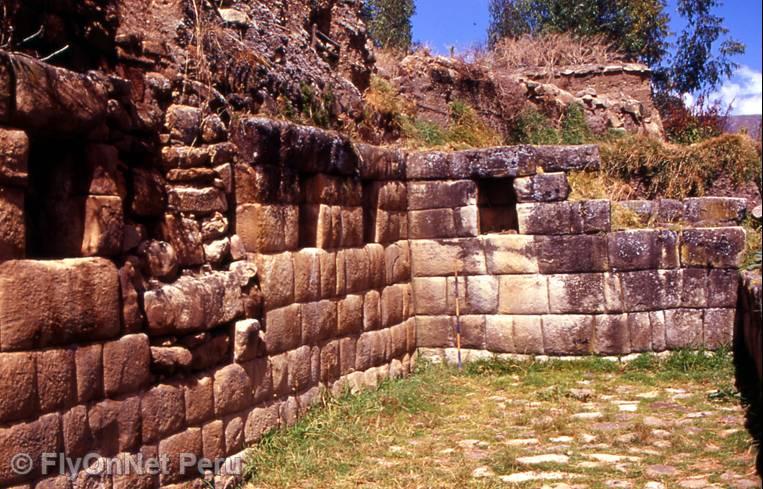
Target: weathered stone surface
<point>441,258</point>
<point>350,314</point>
<point>354,265</point>
<point>184,235</point>
<point>640,332</point>
<point>276,274</point>
<point>199,201</point>
<point>199,399</point>
<point>193,304</point>
<point>300,366</point>
<point>370,350</point>
<point>126,364</point>
<point>325,189</point>
<point>12,226</point>
<point>76,433</point>
<point>266,184</point>
<point>115,425</point>
<point>104,226</point>
<point>148,196</point>
<point>162,410</point>
<point>34,439</point>
<point>510,254</point>
<point>397,263</point>
<point>386,195</point>
<point>639,212</point>
<point>528,334</point>
<point>572,254</point>
<point>649,290</point>
<point>376,265</point>
<point>683,328</point>
<point>378,163</point>
<point>213,129</point>
<point>544,187</point>
<point>159,258</point>
<point>523,294</point>
<point>444,194</point>
<point>577,293</point>
<point>668,211</point>
<point>434,331</point>
<point>392,305</point>
<point>478,294</point>
<point>174,449</point>
<point>18,390</point>
<point>183,123</point>
<point>352,226</point>
<point>568,334</point>
<point>714,211</point>
<point>319,321</point>
<point>611,335</point>
<point>170,360</point>
<point>88,362</point>
<point>307,275</point>
<point>283,329</point>
<point>259,422</point>
<point>14,156</point>
<point>499,334</point>
<point>718,327</point>
<point>174,157</point>
<point>712,247</point>
<point>659,334</point>
<point>596,216</point>
<point>429,295</point>
<point>722,288</point>
<point>56,379</point>
<point>559,218</point>
<point>83,304</point>
<point>233,393</point>
<point>694,287</point>
<point>246,340</point>
<point>432,223</point>
<point>643,249</point>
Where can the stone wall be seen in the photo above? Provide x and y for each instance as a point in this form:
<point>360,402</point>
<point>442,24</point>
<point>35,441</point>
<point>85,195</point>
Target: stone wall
<point>173,281</point>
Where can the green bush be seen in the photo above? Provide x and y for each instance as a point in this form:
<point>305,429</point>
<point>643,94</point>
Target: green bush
<point>575,128</point>
<point>533,127</point>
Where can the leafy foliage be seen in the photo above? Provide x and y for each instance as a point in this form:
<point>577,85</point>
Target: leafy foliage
<point>389,22</point>
<point>689,125</point>
<point>534,127</point>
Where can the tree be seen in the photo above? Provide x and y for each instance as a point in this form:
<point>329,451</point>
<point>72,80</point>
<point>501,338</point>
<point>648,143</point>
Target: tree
<point>639,28</point>
<point>389,22</point>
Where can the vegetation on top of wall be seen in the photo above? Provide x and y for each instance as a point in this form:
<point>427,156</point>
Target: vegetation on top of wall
<point>535,127</point>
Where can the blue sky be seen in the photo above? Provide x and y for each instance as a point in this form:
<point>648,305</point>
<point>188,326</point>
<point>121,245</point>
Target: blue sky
<point>463,23</point>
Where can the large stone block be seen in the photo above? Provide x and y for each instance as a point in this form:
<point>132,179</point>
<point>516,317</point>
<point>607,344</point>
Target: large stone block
<point>77,438</point>
<point>659,334</point>
<point>347,355</point>
<point>397,263</point>
<point>350,315</point>
<point>300,368</point>
<point>104,226</point>
<point>523,294</point>
<point>543,187</point>
<point>319,321</point>
<point>369,350</point>
<point>643,249</point>
<point>198,201</point>
<point>115,425</point>
<point>259,422</point>
<point>233,392</point>
<point>276,274</point>
<point>650,290</point>
<point>611,334</point>
<point>668,212</point>
<point>640,332</point>
<point>694,287</point>
<point>12,226</point>
<point>722,288</point>
<point>392,306</point>
<point>429,294</point>
<point>431,258</point>
<point>307,275</point>
<point>330,368</point>
<point>372,310</point>
<point>376,266</point>
<point>266,228</point>
<point>18,389</point>
<point>712,247</point>
<point>499,334</point>
<point>435,331</point>
<point>718,328</point>
<point>683,328</point>
<point>356,269</point>
<point>714,211</point>
<point>193,304</point>
<point>126,364</point>
<point>33,439</point>
<point>443,194</point>
<point>199,399</point>
<point>577,293</point>
<point>478,294</point>
<point>510,254</point>
<point>561,218</point>
<point>572,254</point>
<point>388,196</point>
<point>56,379</point>
<point>528,334</point>
<point>329,287</point>
<point>433,223</point>
<point>45,303</point>
<point>378,163</point>
<point>175,450</point>
<point>185,236</point>
<point>88,362</point>
<point>325,189</point>
<point>283,329</point>
<point>352,226</point>
<point>568,334</point>
<point>14,156</point>
<point>162,411</point>
<point>183,123</point>
<point>266,184</point>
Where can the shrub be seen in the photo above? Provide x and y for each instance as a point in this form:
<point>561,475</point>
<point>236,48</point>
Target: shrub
<point>689,125</point>
<point>467,128</point>
<point>534,127</point>
<point>575,128</point>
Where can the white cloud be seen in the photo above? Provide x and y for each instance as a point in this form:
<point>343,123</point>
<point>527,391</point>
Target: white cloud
<point>744,92</point>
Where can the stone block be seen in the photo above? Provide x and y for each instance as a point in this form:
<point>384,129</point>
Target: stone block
<point>369,350</point>
<point>659,334</point>
<point>12,226</point>
<point>197,201</point>
<point>435,331</point>
<point>233,392</point>
<point>550,218</point>
<point>441,194</point>
<point>478,294</point>
<point>352,226</point>
<point>185,236</point>
<point>611,334</point>
<point>399,341</point>
<point>115,426</point>
<point>329,360</point>
<point>350,314</point>
<point>246,340</point>
<point>429,295</point>
<point>329,287</point>
<point>83,305</point>
<point>596,216</point>
<point>372,311</point>
<point>213,440</point>
<point>33,439</point>
<point>104,226</point>
<point>712,247</point>
<point>694,288</point>
<point>283,329</point>
<point>267,184</point>
<point>326,189</point>
<point>433,223</point>
<point>260,421</point>
<point>300,365</point>
<point>397,263</point>
<point>194,303</point>
<point>162,410</point>
<point>718,328</point>
<point>56,379</point>
<point>722,288</point>
<point>183,123</point>
<point>467,221</point>
<point>347,355</point>
<point>18,388</point>
<point>640,332</point>
<point>499,334</point>
<point>570,334</point>
<point>643,249</point>
<point>431,258</point>
<point>510,254</point>
<point>260,372</point>
<point>319,321</point>
<point>376,268</point>
<point>126,364</point>
<point>14,157</point>
<point>683,328</point>
<point>280,374</point>
<point>572,254</point>
<point>307,275</point>
<point>357,269</point>
<point>276,274</point>
<point>523,294</point>
<point>386,195</point>
<point>410,331</point>
<point>77,438</point>
<point>88,361</point>
<point>268,228</point>
<point>234,434</point>
<point>528,334</point>
<point>577,293</point>
<point>148,195</point>
<point>668,211</point>
<point>714,211</point>
<point>321,226</point>
<point>199,399</point>
<point>543,187</point>
<point>642,291</point>
<point>174,449</point>
<point>391,306</point>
